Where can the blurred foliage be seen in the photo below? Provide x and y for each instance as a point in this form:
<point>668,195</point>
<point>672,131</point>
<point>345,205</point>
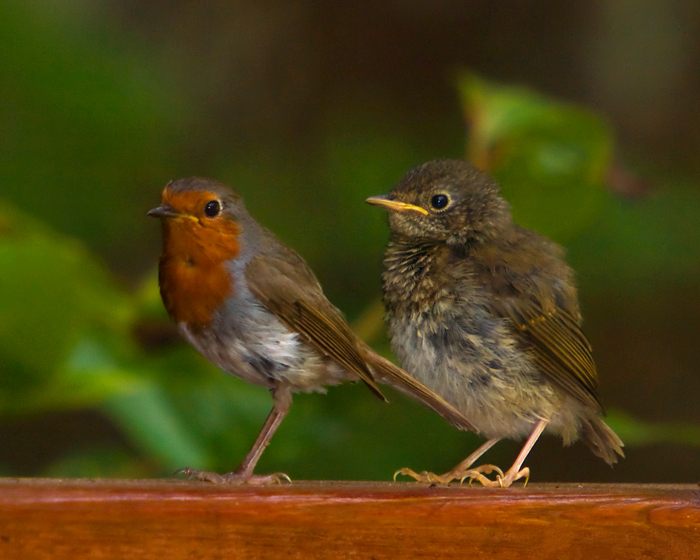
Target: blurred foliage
<point>553,161</point>
<point>550,158</point>
<point>88,127</point>
<point>60,316</point>
<point>634,431</point>
<point>86,124</point>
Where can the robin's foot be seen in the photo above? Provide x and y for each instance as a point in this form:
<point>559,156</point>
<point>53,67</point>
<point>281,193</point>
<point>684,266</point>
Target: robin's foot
<point>425,477</point>
<point>235,477</point>
<point>477,473</point>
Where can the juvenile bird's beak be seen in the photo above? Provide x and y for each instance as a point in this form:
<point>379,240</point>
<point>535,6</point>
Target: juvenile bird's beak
<point>391,204</point>
<point>164,212</point>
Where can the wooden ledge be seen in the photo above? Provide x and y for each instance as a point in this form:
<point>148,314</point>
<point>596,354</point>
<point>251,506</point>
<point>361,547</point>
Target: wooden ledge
<point>169,519</point>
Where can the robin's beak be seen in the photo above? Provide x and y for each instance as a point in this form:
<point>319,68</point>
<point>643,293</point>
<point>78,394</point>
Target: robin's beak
<point>164,211</point>
<point>392,204</point>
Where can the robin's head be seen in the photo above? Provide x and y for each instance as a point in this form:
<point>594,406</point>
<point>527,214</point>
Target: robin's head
<point>445,200</point>
<point>202,224</point>
<point>201,208</point>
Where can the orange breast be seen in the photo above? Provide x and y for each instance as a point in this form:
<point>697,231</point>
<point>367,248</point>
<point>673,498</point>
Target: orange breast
<point>193,274</point>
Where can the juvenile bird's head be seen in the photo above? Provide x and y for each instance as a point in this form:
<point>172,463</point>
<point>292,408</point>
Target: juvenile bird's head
<point>445,200</point>
<point>202,223</point>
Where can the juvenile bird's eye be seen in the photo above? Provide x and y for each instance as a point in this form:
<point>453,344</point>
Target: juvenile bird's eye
<point>212,208</point>
<point>440,201</point>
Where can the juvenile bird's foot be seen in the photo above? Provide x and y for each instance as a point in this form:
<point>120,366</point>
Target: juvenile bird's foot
<point>502,481</point>
<point>477,473</point>
<point>235,478</point>
<point>511,476</point>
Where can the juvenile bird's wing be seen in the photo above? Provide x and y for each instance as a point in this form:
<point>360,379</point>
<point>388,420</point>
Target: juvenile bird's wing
<point>288,289</point>
<point>533,287</point>
<point>559,347</point>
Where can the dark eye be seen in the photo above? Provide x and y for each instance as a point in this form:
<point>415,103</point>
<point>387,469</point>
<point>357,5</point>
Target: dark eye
<point>440,201</point>
<point>212,208</point>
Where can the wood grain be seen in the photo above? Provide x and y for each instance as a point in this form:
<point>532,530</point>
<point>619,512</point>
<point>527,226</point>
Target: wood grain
<point>76,519</point>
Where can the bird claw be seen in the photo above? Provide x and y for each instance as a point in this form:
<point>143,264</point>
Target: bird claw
<point>505,481</point>
<point>516,476</point>
<point>234,477</point>
<point>477,473</point>
<point>424,477</point>
<point>264,480</point>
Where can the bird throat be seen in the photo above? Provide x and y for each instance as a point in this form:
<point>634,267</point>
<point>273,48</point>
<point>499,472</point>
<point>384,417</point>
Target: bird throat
<point>194,277</point>
<point>409,272</point>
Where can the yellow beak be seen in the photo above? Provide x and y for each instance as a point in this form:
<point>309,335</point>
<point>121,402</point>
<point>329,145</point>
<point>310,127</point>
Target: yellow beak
<point>386,202</point>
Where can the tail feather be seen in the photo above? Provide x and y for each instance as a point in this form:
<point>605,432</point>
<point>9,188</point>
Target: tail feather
<point>602,440</point>
<point>387,372</point>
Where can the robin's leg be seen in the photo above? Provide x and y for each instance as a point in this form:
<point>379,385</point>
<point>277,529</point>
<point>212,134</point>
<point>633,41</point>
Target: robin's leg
<point>515,473</point>
<point>282,397</point>
<point>461,471</point>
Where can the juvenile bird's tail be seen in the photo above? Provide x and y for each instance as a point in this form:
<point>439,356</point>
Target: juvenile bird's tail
<point>386,372</point>
<point>602,440</point>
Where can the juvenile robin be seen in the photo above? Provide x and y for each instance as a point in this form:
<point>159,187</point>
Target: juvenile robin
<point>254,308</point>
<point>485,313</point>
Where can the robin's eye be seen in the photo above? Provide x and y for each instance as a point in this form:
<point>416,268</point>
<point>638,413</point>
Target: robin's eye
<point>440,201</point>
<point>212,208</point>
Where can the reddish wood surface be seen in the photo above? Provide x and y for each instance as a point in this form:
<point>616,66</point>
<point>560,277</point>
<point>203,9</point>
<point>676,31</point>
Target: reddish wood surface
<point>80,519</point>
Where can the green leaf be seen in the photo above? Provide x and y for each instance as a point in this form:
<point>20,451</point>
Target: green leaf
<point>225,413</point>
<point>550,158</point>
<point>148,417</point>
<point>64,326</point>
<point>189,413</point>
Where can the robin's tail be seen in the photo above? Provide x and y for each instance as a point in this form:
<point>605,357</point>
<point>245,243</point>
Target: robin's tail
<point>386,372</point>
<point>602,440</point>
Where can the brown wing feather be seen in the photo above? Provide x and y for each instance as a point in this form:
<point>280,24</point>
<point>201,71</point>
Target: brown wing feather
<point>289,290</point>
<point>560,348</point>
<point>402,381</point>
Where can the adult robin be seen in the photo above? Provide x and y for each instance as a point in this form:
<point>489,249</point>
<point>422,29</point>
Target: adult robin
<point>486,314</point>
<point>254,308</point>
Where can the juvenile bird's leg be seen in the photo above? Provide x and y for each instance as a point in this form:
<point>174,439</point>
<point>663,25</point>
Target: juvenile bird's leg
<point>461,471</point>
<point>515,473</point>
<point>282,397</point>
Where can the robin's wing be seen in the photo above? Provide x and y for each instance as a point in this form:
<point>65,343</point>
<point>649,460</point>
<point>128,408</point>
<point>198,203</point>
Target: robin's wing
<point>288,289</point>
<point>559,347</point>
<point>402,381</point>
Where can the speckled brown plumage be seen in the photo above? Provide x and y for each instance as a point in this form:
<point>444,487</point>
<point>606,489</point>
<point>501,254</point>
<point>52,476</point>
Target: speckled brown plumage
<point>486,313</point>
